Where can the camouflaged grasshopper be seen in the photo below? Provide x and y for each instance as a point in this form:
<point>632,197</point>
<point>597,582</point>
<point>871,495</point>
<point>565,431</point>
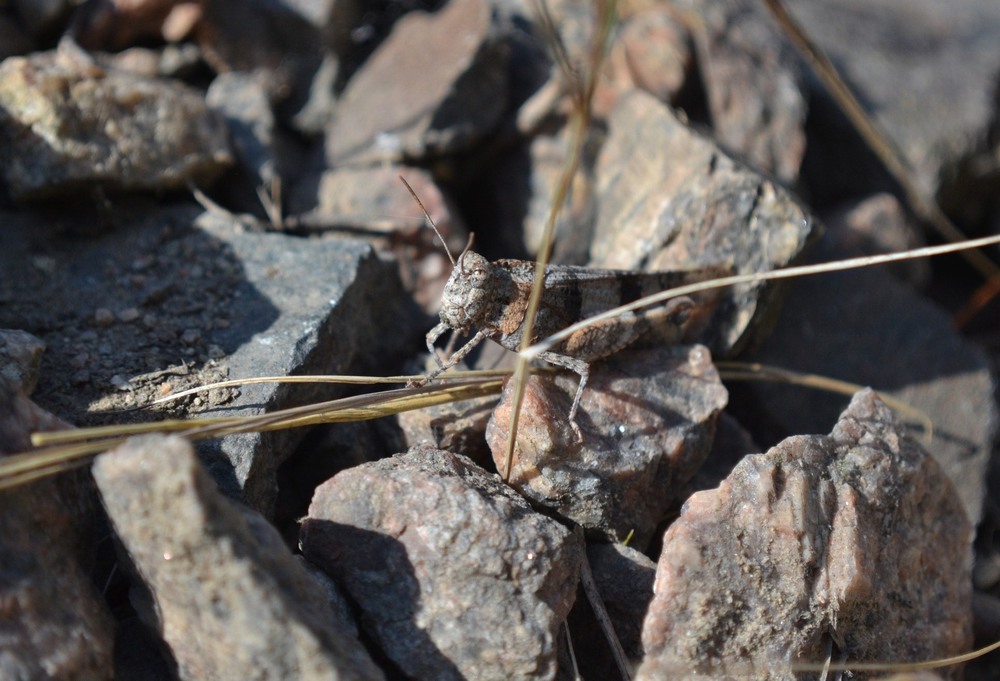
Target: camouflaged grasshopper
<point>490,300</point>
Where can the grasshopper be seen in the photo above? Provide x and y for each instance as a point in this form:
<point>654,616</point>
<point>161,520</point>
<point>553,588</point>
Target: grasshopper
<point>490,300</point>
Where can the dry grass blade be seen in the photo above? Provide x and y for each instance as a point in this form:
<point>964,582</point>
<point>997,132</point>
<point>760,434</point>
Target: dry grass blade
<point>76,446</point>
<point>786,273</point>
<point>579,124</point>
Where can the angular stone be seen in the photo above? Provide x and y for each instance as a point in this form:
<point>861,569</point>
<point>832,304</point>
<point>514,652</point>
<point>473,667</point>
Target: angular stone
<point>351,318</point>
<point>672,199</point>
<point>408,100</point>
<point>220,585</point>
<point>753,82</point>
<point>242,99</point>
<point>856,540</point>
<point>53,623</point>
<point>658,51</point>
<point>68,125</point>
<point>647,418</point>
<point>867,328</point>
<point>455,575</point>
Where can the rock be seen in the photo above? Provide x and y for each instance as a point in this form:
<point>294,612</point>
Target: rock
<point>455,575</point>
<point>53,623</point>
<point>13,40</point>
<point>624,578</point>
<point>658,51</point>
<point>927,73</point>
<point>227,596</point>
<point>351,318</point>
<point>68,125</point>
<point>858,537</point>
<point>113,25</point>
<point>458,427</point>
<point>658,212</point>
<point>241,97</point>
<point>865,327</point>
<point>20,358</point>
<point>265,37</point>
<point>647,418</point>
<point>878,224</point>
<point>753,82</point>
<point>411,101</point>
<point>42,16</point>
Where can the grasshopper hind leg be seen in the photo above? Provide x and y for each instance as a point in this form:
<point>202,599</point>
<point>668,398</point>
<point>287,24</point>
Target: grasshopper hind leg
<point>582,369</point>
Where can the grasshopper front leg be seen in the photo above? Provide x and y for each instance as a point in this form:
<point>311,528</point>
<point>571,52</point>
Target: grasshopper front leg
<point>455,358</point>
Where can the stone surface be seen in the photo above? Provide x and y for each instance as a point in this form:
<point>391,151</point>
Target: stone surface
<point>753,83</point>
<point>858,537</point>
<point>672,199</point>
<point>658,50</point>
<point>646,418</point>
<point>228,597</point>
<point>408,100</point>
<point>878,224</point>
<point>241,97</point>
<point>458,427</point>
<point>455,575</point>
<point>927,72</point>
<point>69,125</point>
<point>865,327</point>
<point>624,578</point>
<point>20,357</point>
<point>53,623</point>
<point>352,318</point>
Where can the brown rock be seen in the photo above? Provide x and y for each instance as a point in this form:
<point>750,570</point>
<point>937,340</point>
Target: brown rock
<point>753,81</point>
<point>456,576</point>
<point>857,537</point>
<point>67,125</point>
<point>658,51</point>
<point>458,427</point>
<point>53,623</point>
<point>228,597</point>
<point>672,199</point>
<point>433,86</point>
<point>20,358</point>
<point>647,420</point>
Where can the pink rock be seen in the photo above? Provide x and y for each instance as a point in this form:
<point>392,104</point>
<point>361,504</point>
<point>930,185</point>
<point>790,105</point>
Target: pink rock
<point>854,543</point>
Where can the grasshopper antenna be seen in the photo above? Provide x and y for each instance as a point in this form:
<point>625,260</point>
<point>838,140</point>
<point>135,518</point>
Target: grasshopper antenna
<point>430,220</point>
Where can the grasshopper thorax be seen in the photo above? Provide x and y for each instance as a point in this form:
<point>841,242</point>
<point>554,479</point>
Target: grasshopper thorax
<point>467,302</point>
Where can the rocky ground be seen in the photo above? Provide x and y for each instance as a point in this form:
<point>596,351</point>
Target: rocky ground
<point>194,191</point>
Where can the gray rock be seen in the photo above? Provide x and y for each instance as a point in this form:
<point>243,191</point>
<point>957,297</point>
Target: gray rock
<point>241,97</point>
<point>351,318</point>
<point>411,101</point>
<point>647,419</point>
<point>856,540</point>
<point>455,575</point>
<point>672,199</point>
<point>753,83</point>
<point>228,597</point>
<point>20,358</point>
<point>53,623</point>
<point>458,427</point>
<point>867,328</point>
<point>927,72</point>
<point>69,125</point>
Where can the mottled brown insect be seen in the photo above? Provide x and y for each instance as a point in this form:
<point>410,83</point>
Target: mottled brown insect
<point>490,300</point>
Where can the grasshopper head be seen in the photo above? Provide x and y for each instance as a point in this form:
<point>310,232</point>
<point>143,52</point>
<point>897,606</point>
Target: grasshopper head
<point>465,304</point>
